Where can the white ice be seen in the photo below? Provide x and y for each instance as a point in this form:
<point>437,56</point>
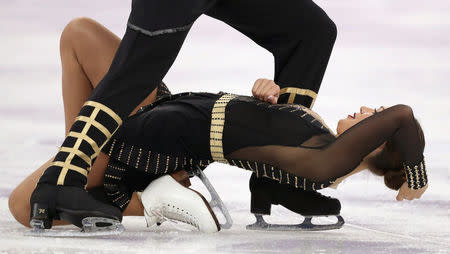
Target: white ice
<point>387,52</point>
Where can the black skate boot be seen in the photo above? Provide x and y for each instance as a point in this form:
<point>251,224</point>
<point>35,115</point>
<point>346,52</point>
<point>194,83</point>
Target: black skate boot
<point>266,192</point>
<point>74,205</point>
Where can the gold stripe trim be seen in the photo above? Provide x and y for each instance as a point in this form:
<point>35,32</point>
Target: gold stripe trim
<point>96,124</point>
<point>293,91</point>
<point>77,152</point>
<point>291,98</point>
<point>67,165</point>
<point>90,121</point>
<point>86,138</point>
<point>70,167</point>
<point>216,129</point>
<point>105,109</point>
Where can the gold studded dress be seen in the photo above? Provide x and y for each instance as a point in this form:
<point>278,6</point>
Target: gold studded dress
<point>286,143</point>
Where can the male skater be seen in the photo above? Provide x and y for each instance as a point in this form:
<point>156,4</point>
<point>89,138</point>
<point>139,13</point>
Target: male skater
<point>297,32</point>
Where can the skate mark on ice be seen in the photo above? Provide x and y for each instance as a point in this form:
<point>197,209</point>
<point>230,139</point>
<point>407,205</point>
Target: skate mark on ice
<point>416,239</point>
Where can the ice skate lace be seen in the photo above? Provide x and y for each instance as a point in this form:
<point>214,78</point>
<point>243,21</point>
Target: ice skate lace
<point>175,214</point>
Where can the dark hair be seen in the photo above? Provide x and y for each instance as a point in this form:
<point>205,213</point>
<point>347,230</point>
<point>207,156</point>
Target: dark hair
<point>388,162</point>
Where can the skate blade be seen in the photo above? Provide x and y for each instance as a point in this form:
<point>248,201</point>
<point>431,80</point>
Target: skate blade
<point>216,201</point>
<point>92,226</point>
<point>306,225</point>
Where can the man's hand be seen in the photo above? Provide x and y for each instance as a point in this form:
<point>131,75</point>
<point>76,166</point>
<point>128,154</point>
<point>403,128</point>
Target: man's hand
<point>266,90</point>
<point>406,193</point>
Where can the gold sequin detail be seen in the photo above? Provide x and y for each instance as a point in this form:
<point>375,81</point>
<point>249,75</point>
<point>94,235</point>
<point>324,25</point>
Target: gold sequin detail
<point>250,167</point>
<point>139,157</point>
<point>242,165</point>
<point>148,161</point>
<point>157,163</point>
<point>121,150</point>
<point>112,147</point>
<point>423,173</point>
<point>121,196</point>
<point>167,164</point>
<point>411,176</point>
<point>113,177</point>
<point>273,174</point>
<point>129,155</point>
<point>112,194</point>
<point>118,168</point>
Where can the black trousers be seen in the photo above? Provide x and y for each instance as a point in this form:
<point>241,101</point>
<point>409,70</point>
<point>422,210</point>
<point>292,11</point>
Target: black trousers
<point>298,33</point>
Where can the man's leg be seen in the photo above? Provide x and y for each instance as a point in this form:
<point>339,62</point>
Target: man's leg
<point>155,33</point>
<point>298,33</point>
<point>300,36</point>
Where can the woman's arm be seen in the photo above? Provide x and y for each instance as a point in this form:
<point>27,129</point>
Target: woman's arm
<point>397,124</point>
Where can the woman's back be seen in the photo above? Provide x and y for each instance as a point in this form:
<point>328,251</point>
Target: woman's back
<point>287,139</point>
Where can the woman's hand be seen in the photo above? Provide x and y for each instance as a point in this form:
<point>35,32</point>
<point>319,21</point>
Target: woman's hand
<point>406,193</point>
<point>266,90</point>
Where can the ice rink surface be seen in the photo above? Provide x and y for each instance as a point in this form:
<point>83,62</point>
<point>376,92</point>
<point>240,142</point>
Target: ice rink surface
<point>387,52</point>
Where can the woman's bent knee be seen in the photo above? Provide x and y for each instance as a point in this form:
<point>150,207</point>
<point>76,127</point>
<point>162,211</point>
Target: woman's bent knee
<point>19,207</point>
<point>75,28</point>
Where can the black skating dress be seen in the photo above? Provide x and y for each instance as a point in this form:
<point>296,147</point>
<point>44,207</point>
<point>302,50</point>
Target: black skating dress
<point>287,143</point>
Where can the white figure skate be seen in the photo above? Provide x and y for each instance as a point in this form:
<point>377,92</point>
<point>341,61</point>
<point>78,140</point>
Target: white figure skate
<point>166,199</point>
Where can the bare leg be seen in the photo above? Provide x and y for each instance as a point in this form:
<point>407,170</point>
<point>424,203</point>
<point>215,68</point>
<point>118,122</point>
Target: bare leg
<point>87,49</point>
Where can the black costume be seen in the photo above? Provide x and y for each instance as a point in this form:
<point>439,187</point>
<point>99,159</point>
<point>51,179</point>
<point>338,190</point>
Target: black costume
<point>285,143</point>
<point>297,32</point>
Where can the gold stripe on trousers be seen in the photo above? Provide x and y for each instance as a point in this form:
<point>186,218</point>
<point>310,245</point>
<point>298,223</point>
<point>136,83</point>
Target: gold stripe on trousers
<point>294,91</point>
<point>74,151</point>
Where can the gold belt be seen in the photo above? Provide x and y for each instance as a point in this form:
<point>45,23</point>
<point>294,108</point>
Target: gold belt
<point>217,123</point>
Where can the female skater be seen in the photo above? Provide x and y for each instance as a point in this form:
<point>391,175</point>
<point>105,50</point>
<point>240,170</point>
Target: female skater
<point>286,143</point>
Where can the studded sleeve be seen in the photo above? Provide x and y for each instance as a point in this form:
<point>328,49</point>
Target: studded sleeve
<point>396,123</point>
